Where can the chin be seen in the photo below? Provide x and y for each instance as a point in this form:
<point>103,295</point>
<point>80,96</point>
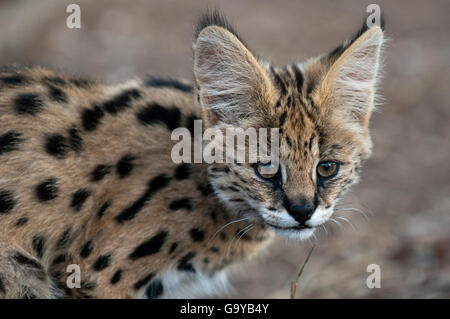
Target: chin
<point>295,234</point>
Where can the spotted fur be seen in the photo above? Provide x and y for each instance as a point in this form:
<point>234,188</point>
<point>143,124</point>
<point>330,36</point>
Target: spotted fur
<point>86,175</point>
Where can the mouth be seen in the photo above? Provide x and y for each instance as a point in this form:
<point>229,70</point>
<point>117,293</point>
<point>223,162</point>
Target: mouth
<point>298,227</point>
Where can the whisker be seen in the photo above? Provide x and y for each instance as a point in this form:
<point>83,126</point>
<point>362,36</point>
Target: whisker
<point>346,220</point>
<point>226,225</point>
<point>235,236</point>
<point>351,209</point>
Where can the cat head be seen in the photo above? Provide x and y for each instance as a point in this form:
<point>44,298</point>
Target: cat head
<point>322,108</point>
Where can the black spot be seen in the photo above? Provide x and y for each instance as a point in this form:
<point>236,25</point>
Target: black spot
<point>47,190</point>
<point>156,184</point>
<point>182,171</point>
<point>102,262</point>
<point>121,101</point>
<point>13,80</point>
<point>182,203</point>
<point>155,289</point>
<point>64,239</point>
<point>206,189</point>
<point>215,250</point>
<point>55,80</point>
<point>75,140</point>
<point>59,259</point>
<point>102,209</point>
<point>27,103</point>
<point>150,246</point>
<point>173,247</point>
<point>7,201</point>
<point>116,277</point>
<point>56,145</point>
<point>156,114</point>
<point>91,118</point>
<point>213,216</point>
<point>197,235</point>
<point>2,284</point>
<point>36,267</point>
<point>233,189</point>
<point>39,245</point>
<point>21,221</point>
<point>168,83</point>
<point>88,285</point>
<point>183,263</point>
<point>125,165</point>
<point>206,260</point>
<point>190,124</point>
<point>223,236</point>
<point>142,282</point>
<point>81,83</point>
<point>57,95</point>
<point>79,198</point>
<point>10,142</point>
<point>100,172</point>
<point>86,249</point>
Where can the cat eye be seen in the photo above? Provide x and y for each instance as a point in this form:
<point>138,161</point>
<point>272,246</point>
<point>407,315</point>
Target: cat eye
<point>274,172</point>
<point>327,169</point>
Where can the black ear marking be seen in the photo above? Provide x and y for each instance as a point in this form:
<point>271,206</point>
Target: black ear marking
<point>215,18</point>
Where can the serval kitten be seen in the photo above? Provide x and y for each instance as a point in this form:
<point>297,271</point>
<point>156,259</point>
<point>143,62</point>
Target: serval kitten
<point>87,179</point>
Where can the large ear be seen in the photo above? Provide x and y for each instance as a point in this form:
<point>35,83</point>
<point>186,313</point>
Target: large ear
<point>232,84</point>
<point>350,82</point>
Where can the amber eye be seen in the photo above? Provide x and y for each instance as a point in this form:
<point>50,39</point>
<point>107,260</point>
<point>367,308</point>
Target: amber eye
<point>267,170</point>
<point>327,169</point>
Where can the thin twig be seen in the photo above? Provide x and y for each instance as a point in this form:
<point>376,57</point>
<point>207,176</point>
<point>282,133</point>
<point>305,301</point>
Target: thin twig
<point>294,284</point>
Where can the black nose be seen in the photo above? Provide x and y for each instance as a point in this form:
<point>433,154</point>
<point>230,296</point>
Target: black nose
<point>301,210</point>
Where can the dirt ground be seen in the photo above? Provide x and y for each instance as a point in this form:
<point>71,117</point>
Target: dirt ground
<point>405,189</point>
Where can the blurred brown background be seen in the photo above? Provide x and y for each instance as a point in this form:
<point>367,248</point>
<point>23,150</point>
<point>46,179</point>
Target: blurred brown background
<point>405,189</point>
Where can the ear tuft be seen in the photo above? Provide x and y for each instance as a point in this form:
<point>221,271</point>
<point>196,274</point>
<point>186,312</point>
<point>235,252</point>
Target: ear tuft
<point>214,18</point>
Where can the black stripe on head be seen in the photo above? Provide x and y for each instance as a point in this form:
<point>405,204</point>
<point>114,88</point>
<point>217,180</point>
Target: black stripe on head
<point>156,184</point>
<point>298,77</point>
<point>168,83</point>
<point>121,101</point>
<point>10,142</point>
<point>150,246</point>
<point>156,114</point>
<point>279,82</point>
